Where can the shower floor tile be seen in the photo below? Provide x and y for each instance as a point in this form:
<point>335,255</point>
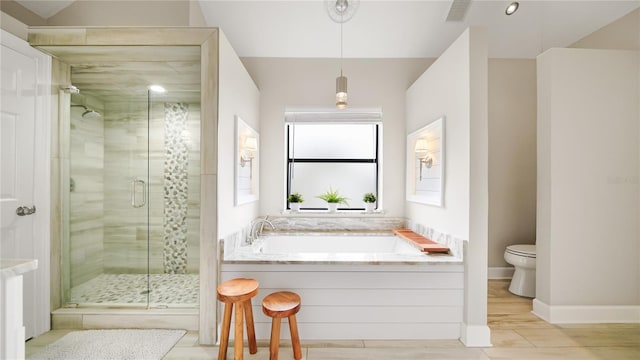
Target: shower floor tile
<point>130,289</point>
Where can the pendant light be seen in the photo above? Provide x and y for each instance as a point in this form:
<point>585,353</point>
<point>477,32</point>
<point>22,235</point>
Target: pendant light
<point>341,11</point>
<point>341,82</point>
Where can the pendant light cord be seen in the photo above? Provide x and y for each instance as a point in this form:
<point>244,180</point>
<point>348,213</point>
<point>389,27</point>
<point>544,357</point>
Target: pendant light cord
<point>341,23</point>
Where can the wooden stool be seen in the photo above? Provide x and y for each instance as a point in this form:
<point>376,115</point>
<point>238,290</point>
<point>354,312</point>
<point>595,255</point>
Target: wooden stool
<point>278,305</point>
<point>238,292</point>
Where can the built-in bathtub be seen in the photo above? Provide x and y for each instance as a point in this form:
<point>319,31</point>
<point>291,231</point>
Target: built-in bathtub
<point>362,286</point>
<point>331,248</point>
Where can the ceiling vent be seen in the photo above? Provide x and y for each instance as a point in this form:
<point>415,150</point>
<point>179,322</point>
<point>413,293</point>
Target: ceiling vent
<point>458,10</point>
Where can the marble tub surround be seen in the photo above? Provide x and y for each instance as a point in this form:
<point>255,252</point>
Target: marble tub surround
<point>455,245</point>
<point>370,247</point>
<point>232,242</point>
<point>236,249</point>
<point>323,222</point>
<point>422,242</point>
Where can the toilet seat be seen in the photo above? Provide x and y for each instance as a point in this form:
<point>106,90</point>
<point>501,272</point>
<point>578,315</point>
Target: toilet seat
<point>522,250</point>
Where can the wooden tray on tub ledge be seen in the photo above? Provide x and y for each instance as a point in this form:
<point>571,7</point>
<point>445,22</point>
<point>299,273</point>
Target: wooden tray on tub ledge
<point>425,244</point>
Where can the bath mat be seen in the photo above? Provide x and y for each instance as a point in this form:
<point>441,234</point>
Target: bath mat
<point>128,344</point>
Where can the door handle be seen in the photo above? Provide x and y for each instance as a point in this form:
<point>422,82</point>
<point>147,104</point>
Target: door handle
<point>25,210</point>
<point>134,189</point>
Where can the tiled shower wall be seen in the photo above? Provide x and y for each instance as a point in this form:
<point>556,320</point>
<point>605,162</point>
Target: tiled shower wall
<point>125,240</point>
<point>86,197</point>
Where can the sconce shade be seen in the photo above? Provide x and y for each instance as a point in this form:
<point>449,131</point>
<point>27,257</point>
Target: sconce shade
<point>341,92</point>
<point>250,143</point>
<point>421,146</point>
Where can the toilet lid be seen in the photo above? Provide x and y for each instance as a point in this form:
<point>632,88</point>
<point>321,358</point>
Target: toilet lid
<point>524,250</point>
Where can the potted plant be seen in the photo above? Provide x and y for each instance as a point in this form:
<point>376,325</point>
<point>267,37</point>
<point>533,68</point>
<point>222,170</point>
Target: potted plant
<point>333,198</point>
<point>369,201</point>
<point>295,199</point>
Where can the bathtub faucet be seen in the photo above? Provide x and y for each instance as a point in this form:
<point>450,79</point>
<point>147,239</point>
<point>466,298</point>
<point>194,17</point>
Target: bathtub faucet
<point>256,230</point>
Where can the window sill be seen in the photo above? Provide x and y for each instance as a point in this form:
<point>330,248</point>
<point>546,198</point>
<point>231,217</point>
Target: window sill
<point>339,213</point>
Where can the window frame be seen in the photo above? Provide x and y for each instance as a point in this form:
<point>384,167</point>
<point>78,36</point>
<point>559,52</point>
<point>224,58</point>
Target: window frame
<point>289,162</point>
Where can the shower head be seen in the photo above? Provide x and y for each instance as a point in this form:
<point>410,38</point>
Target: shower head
<point>89,114</point>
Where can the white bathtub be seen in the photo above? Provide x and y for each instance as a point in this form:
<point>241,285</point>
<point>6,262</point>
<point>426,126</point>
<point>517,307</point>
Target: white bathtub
<point>343,249</point>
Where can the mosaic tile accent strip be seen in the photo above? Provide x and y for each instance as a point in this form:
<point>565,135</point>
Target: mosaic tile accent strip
<point>176,187</point>
<point>130,289</point>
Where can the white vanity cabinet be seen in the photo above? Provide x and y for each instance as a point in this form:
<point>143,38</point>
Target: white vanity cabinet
<point>12,331</point>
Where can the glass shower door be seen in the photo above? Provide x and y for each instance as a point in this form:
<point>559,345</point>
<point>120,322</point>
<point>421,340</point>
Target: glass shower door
<point>134,200</point>
<point>108,257</point>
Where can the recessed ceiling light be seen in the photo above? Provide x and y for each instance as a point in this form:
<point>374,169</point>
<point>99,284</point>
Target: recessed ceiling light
<point>512,8</point>
<point>157,88</point>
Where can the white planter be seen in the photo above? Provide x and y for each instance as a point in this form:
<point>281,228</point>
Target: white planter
<point>369,207</point>
<point>332,207</point>
<point>295,207</point>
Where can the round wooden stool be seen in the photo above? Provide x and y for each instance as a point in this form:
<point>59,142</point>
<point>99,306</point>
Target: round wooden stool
<point>278,305</point>
<point>238,292</point>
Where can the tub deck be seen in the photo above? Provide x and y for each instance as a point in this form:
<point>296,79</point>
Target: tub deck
<point>369,248</point>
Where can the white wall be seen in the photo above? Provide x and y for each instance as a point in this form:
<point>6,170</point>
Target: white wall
<point>622,34</point>
<point>444,90</point>
<point>237,95</point>
<point>21,14</point>
<point>13,26</point>
<point>300,83</point>
<point>456,86</point>
<point>114,13</point>
<point>512,157</point>
<point>124,13</point>
<point>588,193</point>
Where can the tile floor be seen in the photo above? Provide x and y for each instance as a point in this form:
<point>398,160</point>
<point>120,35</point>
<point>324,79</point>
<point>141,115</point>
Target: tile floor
<point>515,334</point>
<point>128,289</point>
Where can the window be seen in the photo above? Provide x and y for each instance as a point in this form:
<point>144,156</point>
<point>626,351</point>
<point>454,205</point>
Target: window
<point>342,156</point>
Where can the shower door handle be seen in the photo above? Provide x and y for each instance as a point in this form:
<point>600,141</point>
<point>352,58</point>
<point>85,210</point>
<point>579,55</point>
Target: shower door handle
<point>134,191</point>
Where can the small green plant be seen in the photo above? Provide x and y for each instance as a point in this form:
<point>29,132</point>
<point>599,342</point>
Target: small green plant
<point>332,196</point>
<point>369,198</point>
<point>295,198</point>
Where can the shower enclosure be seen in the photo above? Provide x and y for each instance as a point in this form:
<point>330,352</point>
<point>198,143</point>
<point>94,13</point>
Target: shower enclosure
<point>133,190</point>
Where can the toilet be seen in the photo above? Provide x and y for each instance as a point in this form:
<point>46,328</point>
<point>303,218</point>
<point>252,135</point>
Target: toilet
<point>523,258</point>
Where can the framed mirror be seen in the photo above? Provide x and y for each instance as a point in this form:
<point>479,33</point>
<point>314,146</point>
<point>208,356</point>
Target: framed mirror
<point>247,167</point>
<point>425,164</point>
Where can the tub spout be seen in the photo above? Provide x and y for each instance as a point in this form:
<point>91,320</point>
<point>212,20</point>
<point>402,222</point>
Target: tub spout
<point>256,229</point>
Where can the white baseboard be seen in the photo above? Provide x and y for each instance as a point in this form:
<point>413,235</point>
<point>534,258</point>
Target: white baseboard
<point>498,273</point>
<point>475,335</point>
<point>581,314</point>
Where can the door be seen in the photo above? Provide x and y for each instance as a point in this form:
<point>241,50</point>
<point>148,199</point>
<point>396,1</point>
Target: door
<point>21,214</point>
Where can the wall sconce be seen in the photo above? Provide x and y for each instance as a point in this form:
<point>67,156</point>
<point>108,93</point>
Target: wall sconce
<point>422,154</point>
<point>248,150</point>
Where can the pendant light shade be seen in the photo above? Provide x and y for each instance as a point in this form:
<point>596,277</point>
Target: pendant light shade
<point>341,92</point>
<point>341,11</point>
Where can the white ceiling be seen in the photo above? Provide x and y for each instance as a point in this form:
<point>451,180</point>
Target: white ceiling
<point>396,28</point>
